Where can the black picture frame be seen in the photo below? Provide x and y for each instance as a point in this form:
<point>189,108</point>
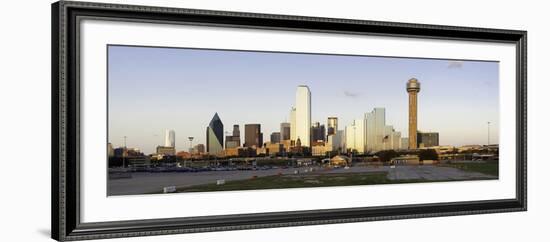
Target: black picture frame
<point>66,223</point>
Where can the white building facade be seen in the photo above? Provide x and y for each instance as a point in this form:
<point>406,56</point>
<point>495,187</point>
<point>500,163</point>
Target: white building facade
<point>356,136</point>
<point>376,125</point>
<point>303,115</point>
<point>293,124</point>
<point>170,138</point>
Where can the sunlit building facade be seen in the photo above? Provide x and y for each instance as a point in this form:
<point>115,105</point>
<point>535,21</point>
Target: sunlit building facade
<point>356,136</point>
<point>303,115</point>
<point>293,124</point>
<point>170,138</point>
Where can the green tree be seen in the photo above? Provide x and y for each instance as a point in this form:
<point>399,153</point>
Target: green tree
<point>386,155</point>
<point>429,154</point>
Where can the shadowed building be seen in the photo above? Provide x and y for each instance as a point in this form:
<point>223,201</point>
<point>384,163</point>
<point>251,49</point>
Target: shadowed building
<point>275,137</point>
<point>285,131</point>
<point>214,136</point>
<point>199,149</point>
<point>428,139</point>
<point>413,88</point>
<point>253,136</point>
<point>317,133</point>
<point>332,125</point>
<point>234,140</point>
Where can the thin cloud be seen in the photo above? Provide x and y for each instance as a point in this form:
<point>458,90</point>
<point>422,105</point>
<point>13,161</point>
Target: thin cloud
<point>455,64</point>
<point>351,94</point>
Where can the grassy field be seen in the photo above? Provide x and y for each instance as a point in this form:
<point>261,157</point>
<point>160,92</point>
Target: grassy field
<point>295,181</point>
<point>489,168</point>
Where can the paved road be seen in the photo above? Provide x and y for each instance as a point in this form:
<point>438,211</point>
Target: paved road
<point>143,182</point>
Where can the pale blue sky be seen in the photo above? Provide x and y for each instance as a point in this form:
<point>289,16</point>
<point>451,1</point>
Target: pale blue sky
<point>153,89</point>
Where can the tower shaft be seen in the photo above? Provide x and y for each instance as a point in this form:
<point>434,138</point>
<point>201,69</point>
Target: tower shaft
<point>413,88</point>
<point>413,120</point>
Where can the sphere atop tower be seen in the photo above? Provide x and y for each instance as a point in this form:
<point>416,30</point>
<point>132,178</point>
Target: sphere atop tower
<point>413,85</point>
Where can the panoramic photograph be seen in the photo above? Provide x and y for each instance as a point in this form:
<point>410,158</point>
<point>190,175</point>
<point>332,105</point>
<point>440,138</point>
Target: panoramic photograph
<point>209,120</point>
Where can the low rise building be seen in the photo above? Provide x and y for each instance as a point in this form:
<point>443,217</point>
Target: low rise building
<point>406,160</point>
<point>274,149</point>
<point>320,150</point>
<point>166,150</point>
<point>340,160</point>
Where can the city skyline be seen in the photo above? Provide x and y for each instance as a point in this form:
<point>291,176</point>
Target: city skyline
<point>335,92</point>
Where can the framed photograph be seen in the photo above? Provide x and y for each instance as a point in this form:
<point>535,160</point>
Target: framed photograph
<point>168,120</point>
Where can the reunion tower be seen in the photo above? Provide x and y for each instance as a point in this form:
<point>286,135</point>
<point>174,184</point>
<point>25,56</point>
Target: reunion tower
<point>413,88</point>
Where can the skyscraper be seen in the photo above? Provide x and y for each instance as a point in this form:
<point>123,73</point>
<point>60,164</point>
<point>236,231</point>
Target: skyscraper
<point>404,143</point>
<point>317,133</point>
<point>170,138</point>
<point>234,140</point>
<point>275,137</point>
<point>253,135</point>
<point>236,130</point>
<point>413,88</point>
<point>303,115</point>
<point>332,125</point>
<point>355,136</point>
<point>285,131</point>
<point>427,139</point>
<point>293,124</point>
<point>376,122</point>
<point>214,136</point>
<point>391,139</point>
<point>199,148</point>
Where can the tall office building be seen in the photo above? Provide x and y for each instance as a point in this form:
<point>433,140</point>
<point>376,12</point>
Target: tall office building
<point>253,135</point>
<point>317,132</point>
<point>341,137</point>
<point>391,139</point>
<point>234,140</point>
<point>404,143</point>
<point>427,139</point>
<point>332,125</point>
<point>199,148</point>
<point>356,136</point>
<point>214,136</point>
<point>285,131</point>
<point>376,124</point>
<point>335,141</point>
<point>413,88</point>
<point>236,131</point>
<point>303,115</point>
<point>275,137</point>
<point>293,124</point>
<point>170,138</point>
